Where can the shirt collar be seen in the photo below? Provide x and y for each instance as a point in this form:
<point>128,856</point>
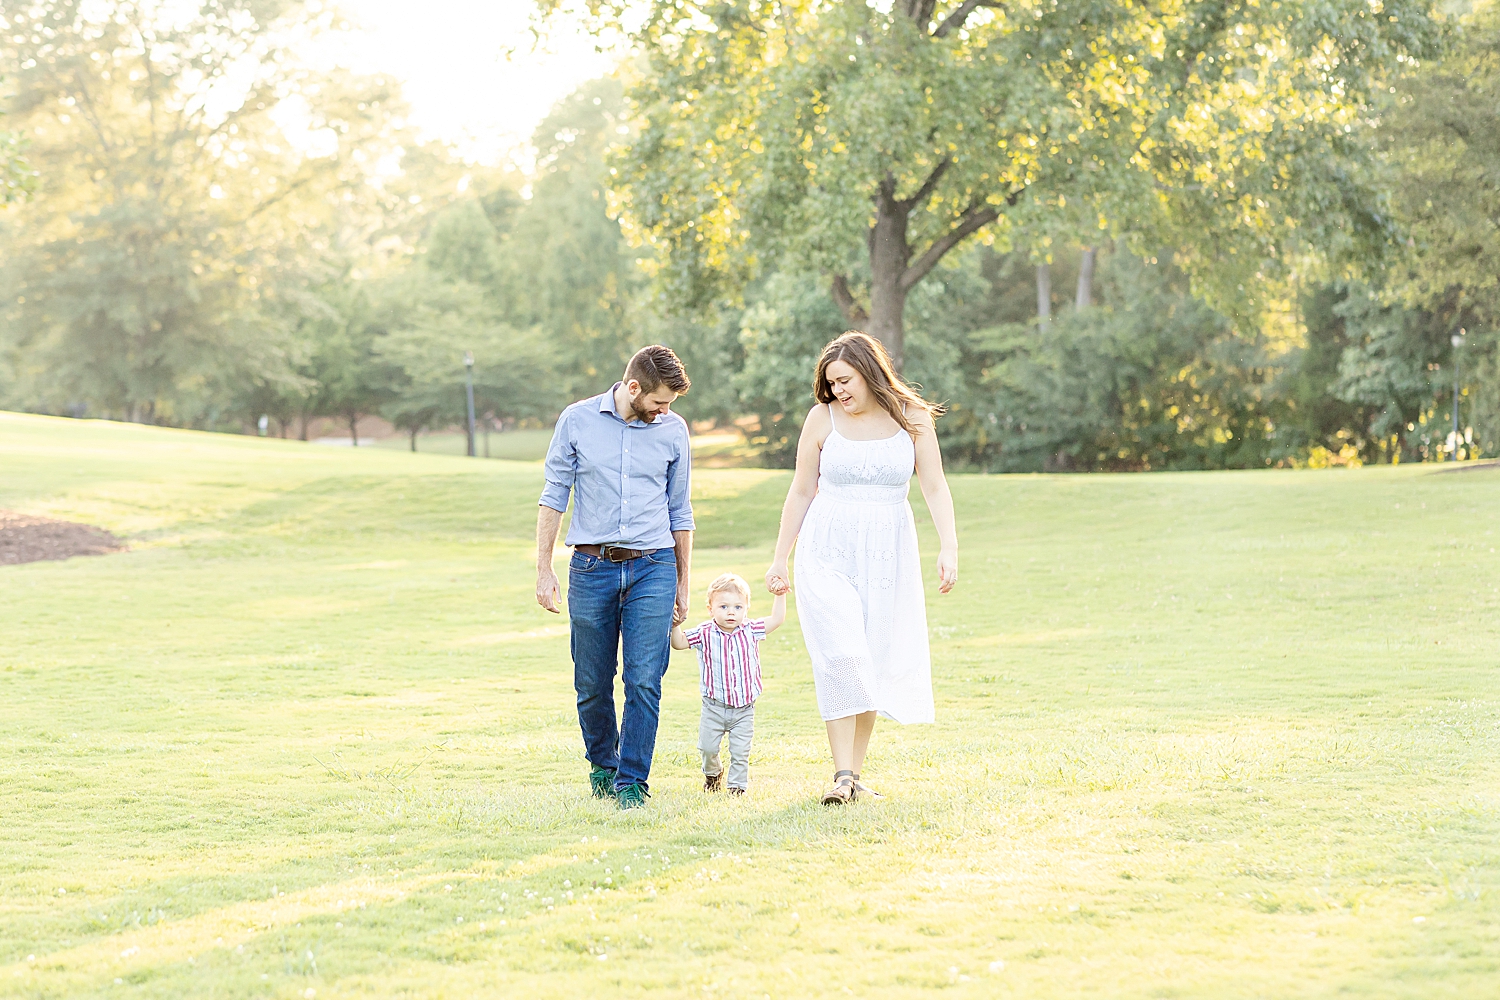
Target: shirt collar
<point>607,405</point>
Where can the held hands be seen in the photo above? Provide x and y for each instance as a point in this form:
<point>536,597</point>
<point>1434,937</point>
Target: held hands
<point>947,567</point>
<point>778,580</point>
<point>547,593</point>
<point>680,607</point>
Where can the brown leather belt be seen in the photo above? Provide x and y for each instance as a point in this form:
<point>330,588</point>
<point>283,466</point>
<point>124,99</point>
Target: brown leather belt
<point>613,553</point>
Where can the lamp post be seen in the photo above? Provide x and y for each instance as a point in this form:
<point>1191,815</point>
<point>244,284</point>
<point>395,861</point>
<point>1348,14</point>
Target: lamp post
<point>469,392</point>
<point>1457,341</point>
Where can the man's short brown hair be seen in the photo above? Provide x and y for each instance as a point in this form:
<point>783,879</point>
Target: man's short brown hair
<point>657,366</point>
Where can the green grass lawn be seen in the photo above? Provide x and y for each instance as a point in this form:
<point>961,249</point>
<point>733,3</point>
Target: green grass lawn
<point>719,448</point>
<point>1199,735</point>
<point>527,445</point>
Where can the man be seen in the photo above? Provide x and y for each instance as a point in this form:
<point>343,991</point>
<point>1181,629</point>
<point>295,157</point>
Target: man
<point>625,457</point>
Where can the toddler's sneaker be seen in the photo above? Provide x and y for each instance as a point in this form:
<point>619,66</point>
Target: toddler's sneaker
<point>713,782</point>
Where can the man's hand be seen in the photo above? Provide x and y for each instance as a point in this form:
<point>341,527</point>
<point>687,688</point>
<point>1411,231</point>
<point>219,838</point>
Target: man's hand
<point>547,593</point>
<point>682,542</point>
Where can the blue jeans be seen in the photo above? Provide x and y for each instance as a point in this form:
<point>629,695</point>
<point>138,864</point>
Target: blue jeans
<point>608,602</point>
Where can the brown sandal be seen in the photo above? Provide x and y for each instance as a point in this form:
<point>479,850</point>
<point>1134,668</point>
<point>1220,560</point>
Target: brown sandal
<point>864,791</point>
<point>842,791</point>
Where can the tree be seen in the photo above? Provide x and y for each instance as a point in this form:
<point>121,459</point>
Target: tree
<point>1391,370</point>
<point>16,176</point>
<point>1440,134</point>
<point>570,271</point>
<point>1317,417</point>
<point>454,298</point>
<point>867,142</point>
<point>175,221</point>
<point>782,331</point>
<point>354,380</point>
<point>1148,378</point>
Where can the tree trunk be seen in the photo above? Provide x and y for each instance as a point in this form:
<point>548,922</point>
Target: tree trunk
<point>413,439</point>
<point>354,429</point>
<point>1085,296</point>
<point>854,313</point>
<point>302,420</point>
<point>1044,295</point>
<point>889,253</point>
<point>893,272</point>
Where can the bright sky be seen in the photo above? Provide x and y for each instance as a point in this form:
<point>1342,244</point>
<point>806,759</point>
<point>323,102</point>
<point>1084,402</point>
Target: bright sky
<point>471,69</point>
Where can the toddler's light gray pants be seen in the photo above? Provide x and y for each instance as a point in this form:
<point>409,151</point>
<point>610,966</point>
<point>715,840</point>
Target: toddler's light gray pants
<point>717,721</point>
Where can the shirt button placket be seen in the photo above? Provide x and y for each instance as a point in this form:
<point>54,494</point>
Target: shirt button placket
<point>624,479</point>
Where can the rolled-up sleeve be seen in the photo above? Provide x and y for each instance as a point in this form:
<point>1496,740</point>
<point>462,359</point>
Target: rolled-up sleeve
<point>561,467</point>
<point>679,478</point>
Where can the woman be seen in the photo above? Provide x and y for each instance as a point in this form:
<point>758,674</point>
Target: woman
<point>859,578</point>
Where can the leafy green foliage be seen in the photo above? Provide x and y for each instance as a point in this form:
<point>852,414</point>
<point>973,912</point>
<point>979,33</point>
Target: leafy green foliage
<point>572,272</point>
<point>17,179</point>
<point>188,261</point>
<point>176,222</point>
<point>445,305</point>
<point>782,333</point>
<point>1440,134</point>
<point>1150,379</point>
<point>816,136</point>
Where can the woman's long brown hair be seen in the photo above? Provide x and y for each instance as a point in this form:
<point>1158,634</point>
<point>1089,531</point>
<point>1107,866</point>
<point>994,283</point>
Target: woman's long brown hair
<point>868,356</point>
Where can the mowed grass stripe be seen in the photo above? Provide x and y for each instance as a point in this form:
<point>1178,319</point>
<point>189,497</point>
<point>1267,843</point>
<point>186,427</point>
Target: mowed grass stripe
<point>1199,734</point>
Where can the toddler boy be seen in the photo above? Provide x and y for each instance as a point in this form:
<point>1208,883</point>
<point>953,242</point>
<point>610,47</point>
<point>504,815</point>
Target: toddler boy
<point>728,647</point>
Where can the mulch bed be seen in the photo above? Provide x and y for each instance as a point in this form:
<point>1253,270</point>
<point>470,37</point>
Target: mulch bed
<point>25,539</point>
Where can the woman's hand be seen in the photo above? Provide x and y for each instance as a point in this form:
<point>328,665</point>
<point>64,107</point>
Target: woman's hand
<point>778,580</point>
<point>947,569</point>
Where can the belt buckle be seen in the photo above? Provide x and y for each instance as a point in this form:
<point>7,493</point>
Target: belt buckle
<point>609,553</point>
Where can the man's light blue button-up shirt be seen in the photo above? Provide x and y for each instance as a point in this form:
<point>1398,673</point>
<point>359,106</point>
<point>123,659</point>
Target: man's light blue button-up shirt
<point>629,480</point>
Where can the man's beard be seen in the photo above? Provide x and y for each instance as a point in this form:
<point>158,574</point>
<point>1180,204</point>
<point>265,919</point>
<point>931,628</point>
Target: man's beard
<point>635,414</point>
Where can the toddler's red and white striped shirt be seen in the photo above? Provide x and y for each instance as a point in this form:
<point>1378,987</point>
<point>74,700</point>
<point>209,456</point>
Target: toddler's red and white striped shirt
<point>730,661</point>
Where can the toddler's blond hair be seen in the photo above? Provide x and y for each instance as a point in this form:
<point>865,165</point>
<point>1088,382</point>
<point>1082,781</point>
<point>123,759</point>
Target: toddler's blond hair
<point>728,581</point>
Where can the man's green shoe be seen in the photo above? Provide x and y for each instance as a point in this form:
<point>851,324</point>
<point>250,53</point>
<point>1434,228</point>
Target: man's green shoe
<point>631,797</point>
<point>602,780</point>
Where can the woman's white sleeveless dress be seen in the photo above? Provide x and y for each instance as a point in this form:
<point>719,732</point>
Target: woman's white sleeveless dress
<point>859,583</point>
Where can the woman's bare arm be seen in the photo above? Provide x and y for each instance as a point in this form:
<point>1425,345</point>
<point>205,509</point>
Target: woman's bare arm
<point>804,488</point>
<point>939,499</point>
